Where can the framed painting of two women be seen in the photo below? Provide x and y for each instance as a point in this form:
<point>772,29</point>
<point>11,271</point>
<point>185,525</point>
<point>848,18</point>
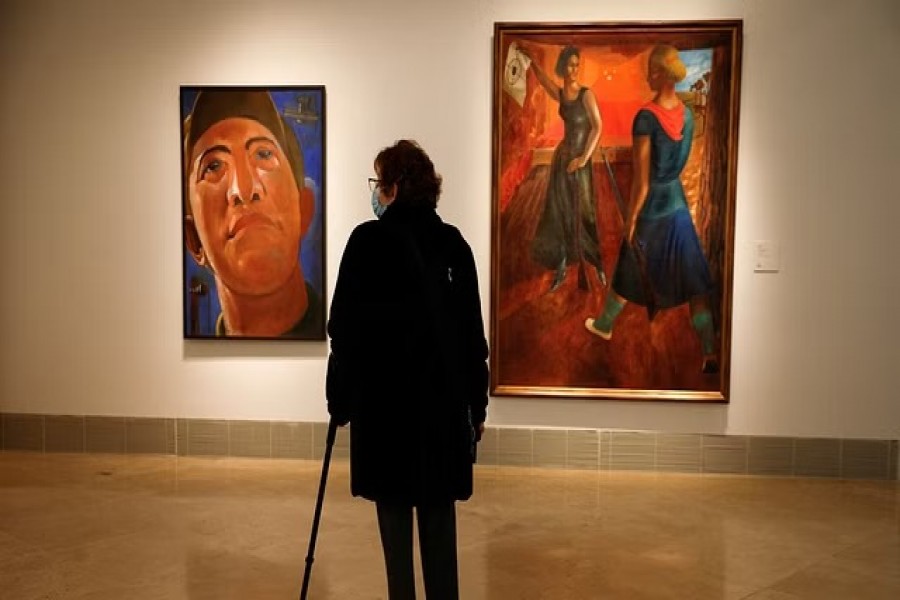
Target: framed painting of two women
<point>614,164</point>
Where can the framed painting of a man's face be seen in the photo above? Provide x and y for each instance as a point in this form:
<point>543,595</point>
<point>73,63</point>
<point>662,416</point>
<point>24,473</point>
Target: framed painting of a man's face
<point>614,164</point>
<point>253,211</point>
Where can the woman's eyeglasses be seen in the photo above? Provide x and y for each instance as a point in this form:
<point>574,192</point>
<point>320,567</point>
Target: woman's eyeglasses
<point>374,184</point>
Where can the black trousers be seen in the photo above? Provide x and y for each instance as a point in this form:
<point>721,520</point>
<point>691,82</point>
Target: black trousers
<point>437,544</point>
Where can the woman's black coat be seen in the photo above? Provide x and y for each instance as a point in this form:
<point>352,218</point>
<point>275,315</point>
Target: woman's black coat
<point>408,358</point>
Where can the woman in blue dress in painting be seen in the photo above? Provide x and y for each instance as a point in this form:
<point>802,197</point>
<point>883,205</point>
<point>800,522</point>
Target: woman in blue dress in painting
<point>567,231</point>
<point>661,253</point>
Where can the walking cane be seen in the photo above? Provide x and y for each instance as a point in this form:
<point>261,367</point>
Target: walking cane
<point>329,444</point>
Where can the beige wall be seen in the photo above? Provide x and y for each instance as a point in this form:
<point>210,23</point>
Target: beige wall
<point>90,234</point>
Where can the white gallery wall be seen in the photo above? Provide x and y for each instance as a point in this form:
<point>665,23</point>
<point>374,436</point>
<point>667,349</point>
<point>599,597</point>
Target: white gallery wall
<point>90,229</point>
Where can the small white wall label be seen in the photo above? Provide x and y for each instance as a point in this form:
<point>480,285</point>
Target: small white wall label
<point>766,256</point>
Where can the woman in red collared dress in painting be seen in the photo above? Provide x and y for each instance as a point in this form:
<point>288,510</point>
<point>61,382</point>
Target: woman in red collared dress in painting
<point>659,223</point>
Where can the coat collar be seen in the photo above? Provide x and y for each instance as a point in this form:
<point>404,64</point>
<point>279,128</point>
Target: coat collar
<point>406,214</point>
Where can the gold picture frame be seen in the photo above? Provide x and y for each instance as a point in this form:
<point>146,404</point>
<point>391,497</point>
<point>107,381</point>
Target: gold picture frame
<point>606,285</point>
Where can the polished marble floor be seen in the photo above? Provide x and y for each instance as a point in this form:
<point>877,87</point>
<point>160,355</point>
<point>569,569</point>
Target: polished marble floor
<point>123,527</point>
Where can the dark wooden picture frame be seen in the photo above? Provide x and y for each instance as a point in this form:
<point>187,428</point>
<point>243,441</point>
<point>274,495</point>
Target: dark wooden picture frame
<point>605,284</point>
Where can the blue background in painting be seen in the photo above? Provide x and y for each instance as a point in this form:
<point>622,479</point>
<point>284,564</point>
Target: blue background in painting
<point>312,249</point>
<point>697,63</point>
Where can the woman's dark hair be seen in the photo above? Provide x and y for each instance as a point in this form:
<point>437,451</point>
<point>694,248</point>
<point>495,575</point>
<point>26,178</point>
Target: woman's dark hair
<point>406,165</point>
<point>563,61</point>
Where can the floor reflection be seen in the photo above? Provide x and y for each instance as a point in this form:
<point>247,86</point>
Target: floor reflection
<point>93,526</point>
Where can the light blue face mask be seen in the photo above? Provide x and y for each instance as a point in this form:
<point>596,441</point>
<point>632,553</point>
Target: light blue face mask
<point>377,207</point>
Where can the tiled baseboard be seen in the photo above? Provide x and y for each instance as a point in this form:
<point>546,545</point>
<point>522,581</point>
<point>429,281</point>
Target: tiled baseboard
<point>583,449</point>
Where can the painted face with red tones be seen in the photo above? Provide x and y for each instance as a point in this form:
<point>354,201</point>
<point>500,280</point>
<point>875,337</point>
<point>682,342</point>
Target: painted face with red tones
<point>572,66</point>
<point>246,206</point>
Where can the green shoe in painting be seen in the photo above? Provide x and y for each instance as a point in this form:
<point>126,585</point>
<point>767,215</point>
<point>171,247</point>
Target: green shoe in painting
<point>710,365</point>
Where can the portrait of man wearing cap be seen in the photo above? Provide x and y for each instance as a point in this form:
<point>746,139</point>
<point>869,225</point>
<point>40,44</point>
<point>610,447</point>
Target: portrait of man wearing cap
<point>247,207</point>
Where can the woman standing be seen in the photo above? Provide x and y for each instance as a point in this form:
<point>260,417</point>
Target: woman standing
<point>658,223</point>
<point>408,368</point>
<point>567,231</point>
